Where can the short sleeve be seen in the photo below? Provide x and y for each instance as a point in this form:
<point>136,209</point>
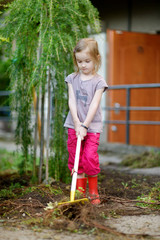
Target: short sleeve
<point>69,78</point>
<point>101,84</point>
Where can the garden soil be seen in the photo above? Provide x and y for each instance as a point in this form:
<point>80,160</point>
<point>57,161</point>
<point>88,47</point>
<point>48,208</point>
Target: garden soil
<point>119,216</point>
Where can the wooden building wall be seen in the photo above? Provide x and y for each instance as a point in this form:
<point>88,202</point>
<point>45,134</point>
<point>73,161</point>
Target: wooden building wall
<point>134,58</point>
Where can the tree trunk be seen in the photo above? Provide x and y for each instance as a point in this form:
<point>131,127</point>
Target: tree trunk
<point>48,127</point>
<point>35,137</point>
<point>42,138</point>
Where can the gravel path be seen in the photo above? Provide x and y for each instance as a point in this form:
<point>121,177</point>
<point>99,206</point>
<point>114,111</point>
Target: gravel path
<point>143,224</point>
<point>26,234</point>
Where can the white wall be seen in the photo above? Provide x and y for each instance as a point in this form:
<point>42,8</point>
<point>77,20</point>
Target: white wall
<point>102,45</point>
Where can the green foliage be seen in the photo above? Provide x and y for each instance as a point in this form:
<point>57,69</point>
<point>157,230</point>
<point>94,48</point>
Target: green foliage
<point>103,215</point>
<point>152,199</point>
<point>29,189</point>
<point>4,82</point>
<point>125,185</point>
<point>135,184</point>
<point>12,161</point>
<point>54,191</point>
<point>43,190</point>
<point>155,192</point>
<point>34,222</point>
<point>41,35</point>
<point>144,160</point>
<point>8,193</point>
<point>4,76</point>
<point>9,161</point>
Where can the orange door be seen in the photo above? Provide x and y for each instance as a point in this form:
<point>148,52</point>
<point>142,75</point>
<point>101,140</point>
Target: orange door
<point>134,58</point>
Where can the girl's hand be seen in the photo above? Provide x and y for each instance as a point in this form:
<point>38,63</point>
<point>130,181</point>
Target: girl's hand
<point>77,126</point>
<point>82,132</point>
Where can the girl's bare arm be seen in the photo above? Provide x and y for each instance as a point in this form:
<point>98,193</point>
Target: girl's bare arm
<point>73,108</point>
<point>92,111</point>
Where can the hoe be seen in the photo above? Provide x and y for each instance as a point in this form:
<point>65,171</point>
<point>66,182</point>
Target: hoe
<point>74,177</point>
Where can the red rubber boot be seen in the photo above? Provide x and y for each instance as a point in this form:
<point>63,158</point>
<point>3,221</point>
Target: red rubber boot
<point>81,185</point>
<point>93,190</point>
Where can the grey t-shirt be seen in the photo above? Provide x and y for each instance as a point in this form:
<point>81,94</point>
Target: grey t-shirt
<point>84,92</point>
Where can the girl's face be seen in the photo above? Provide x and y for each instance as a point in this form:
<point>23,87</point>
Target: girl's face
<point>85,62</point>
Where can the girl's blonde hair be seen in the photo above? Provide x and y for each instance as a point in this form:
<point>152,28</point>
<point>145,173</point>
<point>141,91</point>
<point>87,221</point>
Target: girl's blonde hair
<point>92,45</point>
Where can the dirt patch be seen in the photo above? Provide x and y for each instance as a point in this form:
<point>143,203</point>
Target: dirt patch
<point>115,218</point>
<point>122,184</point>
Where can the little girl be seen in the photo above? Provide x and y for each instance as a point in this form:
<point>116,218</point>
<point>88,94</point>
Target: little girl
<point>85,89</point>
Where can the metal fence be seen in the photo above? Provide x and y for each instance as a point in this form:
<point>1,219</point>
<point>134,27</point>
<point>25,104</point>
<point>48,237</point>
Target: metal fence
<point>128,108</point>
<point>5,110</point>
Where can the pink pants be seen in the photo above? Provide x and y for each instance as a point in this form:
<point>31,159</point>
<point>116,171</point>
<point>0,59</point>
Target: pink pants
<point>89,159</point>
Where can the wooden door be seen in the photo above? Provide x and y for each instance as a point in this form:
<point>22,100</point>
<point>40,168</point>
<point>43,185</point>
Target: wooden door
<point>134,58</point>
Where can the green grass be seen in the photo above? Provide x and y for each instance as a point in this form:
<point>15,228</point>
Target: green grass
<point>152,199</point>
<point>155,192</point>
<point>43,190</point>
<point>9,193</point>
<point>11,161</point>
<point>143,160</point>
<point>16,190</point>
